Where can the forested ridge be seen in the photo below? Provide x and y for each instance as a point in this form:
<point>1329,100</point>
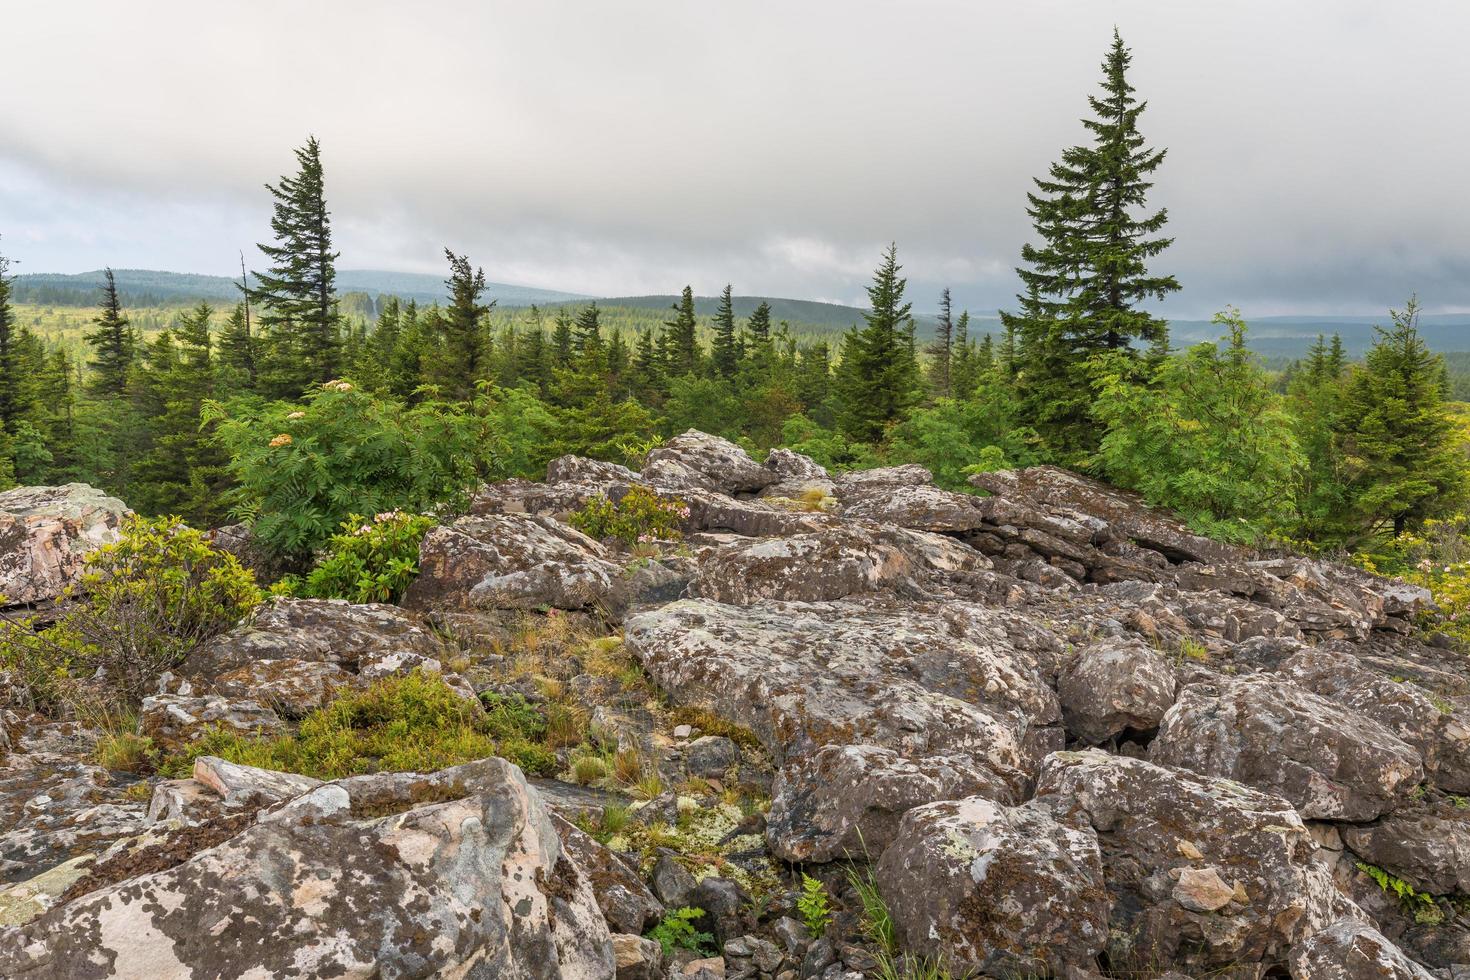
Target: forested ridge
<point>299,405</point>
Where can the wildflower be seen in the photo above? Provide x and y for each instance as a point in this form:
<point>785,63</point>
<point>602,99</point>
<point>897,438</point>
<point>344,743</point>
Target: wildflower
<point>296,415</point>
<point>281,440</point>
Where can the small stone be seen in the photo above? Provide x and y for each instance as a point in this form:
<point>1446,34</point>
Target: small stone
<point>1202,890</point>
<point>711,755</point>
<point>706,969</point>
<point>671,882</point>
<point>793,935</point>
<point>1188,850</point>
<point>637,958</point>
<point>683,731</point>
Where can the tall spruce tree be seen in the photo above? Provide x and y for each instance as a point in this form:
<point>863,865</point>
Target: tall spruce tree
<point>463,340</point>
<point>877,378</point>
<point>11,381</point>
<point>1089,273</point>
<point>1401,457</point>
<point>724,349</point>
<point>680,343</point>
<point>113,344</point>
<point>297,297</point>
<point>942,352</point>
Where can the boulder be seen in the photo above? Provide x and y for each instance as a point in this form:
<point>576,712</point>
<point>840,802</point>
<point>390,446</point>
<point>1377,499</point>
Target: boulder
<point>240,785</point>
<point>626,903</point>
<point>718,464</point>
<point>511,561</point>
<point>1428,850</point>
<point>796,475</point>
<point>1426,722</point>
<point>291,688</point>
<point>710,756</point>
<point>1125,513</point>
<point>46,534</point>
<point>846,801</point>
<point>913,505</point>
<point>1166,835</point>
<point>1267,732</point>
<point>832,563</point>
<point>173,720</point>
<point>995,889</point>
<point>456,873</point>
<point>1352,950</point>
<point>637,957</point>
<point>1112,686</point>
<point>317,630</point>
<point>53,809</point>
<point>580,469</point>
<point>919,678</point>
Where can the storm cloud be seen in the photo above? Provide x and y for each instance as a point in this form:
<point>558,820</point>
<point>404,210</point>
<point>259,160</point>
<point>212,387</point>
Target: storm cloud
<point>1316,148</point>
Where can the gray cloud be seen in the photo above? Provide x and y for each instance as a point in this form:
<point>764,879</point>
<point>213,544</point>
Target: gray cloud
<point>1315,148</point>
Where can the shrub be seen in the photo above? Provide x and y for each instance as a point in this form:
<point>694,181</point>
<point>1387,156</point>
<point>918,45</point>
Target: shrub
<point>640,516</point>
<point>1436,557</point>
<point>304,468</point>
<point>142,604</point>
<point>676,931</point>
<point>369,561</point>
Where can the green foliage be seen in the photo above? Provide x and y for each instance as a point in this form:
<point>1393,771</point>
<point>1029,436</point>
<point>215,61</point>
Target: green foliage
<point>676,931</point>
<point>1420,905</point>
<point>370,561</point>
<point>1203,434</point>
<point>814,906</point>
<point>953,439</point>
<point>1437,557</point>
<point>413,723</point>
<point>142,604</point>
<point>639,517</point>
<point>304,470</point>
<point>878,377</point>
<point>1401,458</point>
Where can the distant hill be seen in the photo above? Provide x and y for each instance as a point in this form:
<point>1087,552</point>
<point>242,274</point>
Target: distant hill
<point>146,287</point>
<point>831,316</point>
<point>1292,336</point>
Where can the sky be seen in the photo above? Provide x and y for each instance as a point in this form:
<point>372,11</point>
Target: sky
<point>1317,149</point>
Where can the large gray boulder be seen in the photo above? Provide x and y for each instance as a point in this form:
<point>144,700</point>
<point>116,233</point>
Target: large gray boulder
<point>46,534</point>
<point>331,631</point>
<point>1266,731</point>
<point>846,801</point>
<point>833,563</point>
<point>511,561</point>
<point>1112,686</point>
<point>1352,950</point>
<point>695,458</point>
<point>459,873</point>
<point>923,679</point>
<point>1001,890</point>
<point>1167,838</point>
<point>1431,851</point>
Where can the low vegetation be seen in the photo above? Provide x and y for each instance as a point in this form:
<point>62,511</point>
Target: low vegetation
<point>640,516</point>
<point>370,560</point>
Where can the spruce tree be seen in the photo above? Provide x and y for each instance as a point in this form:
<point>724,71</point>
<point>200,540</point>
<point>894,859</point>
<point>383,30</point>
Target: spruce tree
<point>1089,273</point>
<point>236,359</point>
<point>877,379</point>
<point>463,343</point>
<point>561,339</point>
<point>681,346</point>
<point>297,296</point>
<point>1401,458</point>
<point>724,350</point>
<point>942,352</point>
<point>113,344</point>
<point>587,331</point>
<point>11,381</point>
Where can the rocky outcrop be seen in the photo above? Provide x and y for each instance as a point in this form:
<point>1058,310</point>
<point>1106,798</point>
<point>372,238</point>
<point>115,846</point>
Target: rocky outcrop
<point>698,459</point>
<point>1429,850</point>
<point>172,720</point>
<point>1154,824</point>
<point>846,801</point>
<point>330,631</point>
<point>46,534</point>
<point>1267,732</point>
<point>996,889</point>
<point>460,873</point>
<point>922,679</point>
<point>511,561</point>
<point>1352,950</point>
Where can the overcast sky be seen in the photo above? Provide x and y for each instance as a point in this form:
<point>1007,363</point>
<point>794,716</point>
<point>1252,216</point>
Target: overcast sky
<point>1317,159</point>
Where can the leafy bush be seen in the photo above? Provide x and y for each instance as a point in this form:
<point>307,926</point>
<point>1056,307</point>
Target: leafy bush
<point>954,438</point>
<point>676,931</point>
<point>142,604</point>
<point>815,909</point>
<point>641,516</point>
<point>413,723</point>
<point>370,561</point>
<point>304,469</point>
<point>1436,557</point>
